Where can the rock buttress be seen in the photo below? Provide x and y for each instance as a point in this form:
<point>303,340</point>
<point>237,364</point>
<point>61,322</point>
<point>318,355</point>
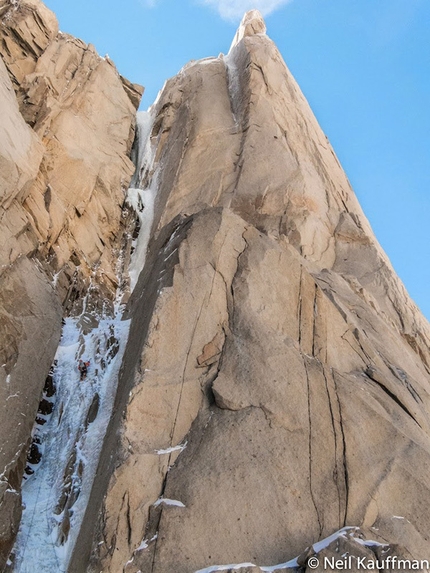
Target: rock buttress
<point>278,389</point>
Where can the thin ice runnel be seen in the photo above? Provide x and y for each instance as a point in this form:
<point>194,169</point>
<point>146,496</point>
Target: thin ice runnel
<point>142,199</point>
<point>233,85</point>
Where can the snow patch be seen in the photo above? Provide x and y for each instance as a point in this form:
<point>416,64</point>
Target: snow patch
<point>145,543</point>
<point>293,563</point>
<point>225,567</point>
<point>179,448</point>
<point>166,501</point>
<point>369,543</point>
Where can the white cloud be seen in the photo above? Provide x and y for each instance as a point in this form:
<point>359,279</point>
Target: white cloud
<point>233,10</point>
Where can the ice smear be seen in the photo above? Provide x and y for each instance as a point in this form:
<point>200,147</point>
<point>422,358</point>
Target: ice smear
<point>55,278</point>
<point>293,563</point>
<point>142,199</point>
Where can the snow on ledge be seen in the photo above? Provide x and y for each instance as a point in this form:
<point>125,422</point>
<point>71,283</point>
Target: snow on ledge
<point>167,501</point>
<point>293,563</point>
<point>225,567</point>
<point>178,448</point>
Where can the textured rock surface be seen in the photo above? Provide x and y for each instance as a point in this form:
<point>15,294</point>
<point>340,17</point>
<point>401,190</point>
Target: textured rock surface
<point>83,113</point>
<point>28,306</point>
<point>66,129</point>
<point>275,387</point>
<point>278,371</point>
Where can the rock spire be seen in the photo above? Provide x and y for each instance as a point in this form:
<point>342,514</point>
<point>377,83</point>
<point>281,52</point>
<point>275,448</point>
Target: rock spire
<point>275,388</point>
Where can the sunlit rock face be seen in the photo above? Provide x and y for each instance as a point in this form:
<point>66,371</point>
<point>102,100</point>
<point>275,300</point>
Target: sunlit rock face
<point>273,398</point>
<point>79,114</point>
<point>275,386</point>
<point>66,128</point>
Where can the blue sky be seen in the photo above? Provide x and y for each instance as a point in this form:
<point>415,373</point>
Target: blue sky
<point>364,66</point>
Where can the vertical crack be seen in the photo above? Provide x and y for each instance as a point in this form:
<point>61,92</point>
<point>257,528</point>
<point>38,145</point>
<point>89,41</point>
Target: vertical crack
<point>345,465</point>
<point>299,307</point>
<point>172,433</point>
<point>129,529</point>
<point>336,475</point>
<point>310,450</point>
<point>154,554</point>
<point>157,525</point>
<point>356,334</point>
<point>314,328</point>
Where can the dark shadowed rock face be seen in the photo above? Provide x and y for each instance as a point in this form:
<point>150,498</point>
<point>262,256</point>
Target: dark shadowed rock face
<point>277,381</point>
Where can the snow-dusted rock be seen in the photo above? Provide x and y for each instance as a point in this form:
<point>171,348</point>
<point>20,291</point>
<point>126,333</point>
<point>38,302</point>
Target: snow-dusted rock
<point>66,129</point>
